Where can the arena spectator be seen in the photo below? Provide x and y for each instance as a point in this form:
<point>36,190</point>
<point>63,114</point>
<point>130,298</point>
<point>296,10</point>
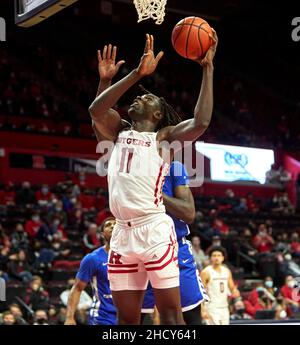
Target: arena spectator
<point>8,195</point>
<point>239,311</point>
<point>251,203</point>
<point>19,238</point>
<point>19,267</point>
<point>8,319</point>
<point>216,242</point>
<point>85,301</point>
<point>41,318</point>
<point>91,238</point>
<point>33,226</point>
<point>263,242</point>
<point>200,258</point>
<point>289,292</point>
<point>218,225</point>
<point>44,195</point>
<point>4,260</point>
<point>17,313</point>
<point>269,285</point>
<point>26,195</point>
<point>36,296</point>
<point>272,175</point>
<point>295,245</point>
<point>259,299</point>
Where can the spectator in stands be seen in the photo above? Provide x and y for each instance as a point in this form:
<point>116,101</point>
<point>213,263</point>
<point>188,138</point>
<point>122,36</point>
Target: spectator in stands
<point>284,176</point>
<point>263,242</point>
<point>200,258</point>
<point>41,317</point>
<point>33,226</point>
<point>4,238</point>
<point>44,195</point>
<point>216,242</point>
<point>57,209</point>
<point>56,228</point>
<point>25,196</point>
<point>4,260</point>
<point>295,245</point>
<point>19,267</point>
<point>218,225</point>
<point>7,195</point>
<point>36,296</point>
<point>269,285</point>
<point>281,204</point>
<point>291,295</point>
<point>251,203</point>
<point>85,301</point>
<point>282,243</point>
<point>241,206</point>
<point>91,239</point>
<point>19,238</point>
<point>17,313</point>
<point>239,311</point>
<point>272,175</point>
<point>259,299</point>
<point>8,319</point>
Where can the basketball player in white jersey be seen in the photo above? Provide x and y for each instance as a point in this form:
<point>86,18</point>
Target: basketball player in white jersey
<point>217,279</point>
<point>144,245</point>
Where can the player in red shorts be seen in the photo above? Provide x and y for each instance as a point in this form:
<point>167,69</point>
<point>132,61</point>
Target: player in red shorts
<point>144,245</point>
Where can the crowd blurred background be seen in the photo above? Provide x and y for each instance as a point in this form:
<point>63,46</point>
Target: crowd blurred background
<point>47,83</point>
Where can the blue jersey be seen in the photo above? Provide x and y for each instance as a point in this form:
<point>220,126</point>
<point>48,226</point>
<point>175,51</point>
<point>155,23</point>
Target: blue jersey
<point>93,270</point>
<point>192,291</point>
<point>177,176</point>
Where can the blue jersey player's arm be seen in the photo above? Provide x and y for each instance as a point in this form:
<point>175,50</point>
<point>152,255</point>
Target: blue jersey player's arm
<point>83,277</point>
<point>181,205</point>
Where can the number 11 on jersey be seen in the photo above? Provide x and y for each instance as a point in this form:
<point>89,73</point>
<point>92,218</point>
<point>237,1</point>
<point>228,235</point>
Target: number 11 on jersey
<point>126,159</point>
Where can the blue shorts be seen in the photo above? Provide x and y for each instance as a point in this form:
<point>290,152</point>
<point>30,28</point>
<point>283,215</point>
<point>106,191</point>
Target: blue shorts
<point>103,319</point>
<point>192,291</point>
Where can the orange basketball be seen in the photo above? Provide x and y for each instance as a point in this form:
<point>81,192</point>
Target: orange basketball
<point>190,37</point>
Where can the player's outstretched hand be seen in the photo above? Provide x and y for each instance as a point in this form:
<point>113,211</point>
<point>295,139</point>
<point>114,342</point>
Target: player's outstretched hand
<point>149,62</point>
<point>208,59</point>
<point>107,66</point>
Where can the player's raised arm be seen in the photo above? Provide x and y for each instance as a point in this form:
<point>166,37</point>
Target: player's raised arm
<point>73,301</point>
<point>191,129</point>
<point>107,119</point>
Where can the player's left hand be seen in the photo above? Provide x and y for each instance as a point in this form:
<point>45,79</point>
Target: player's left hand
<point>148,61</point>
<point>107,66</point>
<point>208,59</point>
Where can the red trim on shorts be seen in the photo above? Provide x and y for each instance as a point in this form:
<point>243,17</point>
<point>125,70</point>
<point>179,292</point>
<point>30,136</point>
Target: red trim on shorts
<point>156,184</point>
<point>163,266</point>
<point>123,265</point>
<point>161,259</point>
<point>122,271</point>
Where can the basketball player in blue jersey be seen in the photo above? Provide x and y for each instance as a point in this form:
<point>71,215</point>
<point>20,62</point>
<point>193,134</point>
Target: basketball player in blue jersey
<point>179,203</point>
<point>93,270</point>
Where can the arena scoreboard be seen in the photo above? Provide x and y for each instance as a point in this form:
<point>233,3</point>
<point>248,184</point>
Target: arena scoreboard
<point>31,12</point>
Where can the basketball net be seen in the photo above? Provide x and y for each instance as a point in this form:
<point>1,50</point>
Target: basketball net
<point>154,9</point>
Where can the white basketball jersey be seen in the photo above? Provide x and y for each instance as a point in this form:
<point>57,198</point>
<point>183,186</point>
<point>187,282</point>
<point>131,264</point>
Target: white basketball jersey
<point>136,174</point>
<point>217,287</point>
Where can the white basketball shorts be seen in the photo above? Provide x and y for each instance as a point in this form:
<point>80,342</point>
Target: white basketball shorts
<point>143,249</point>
